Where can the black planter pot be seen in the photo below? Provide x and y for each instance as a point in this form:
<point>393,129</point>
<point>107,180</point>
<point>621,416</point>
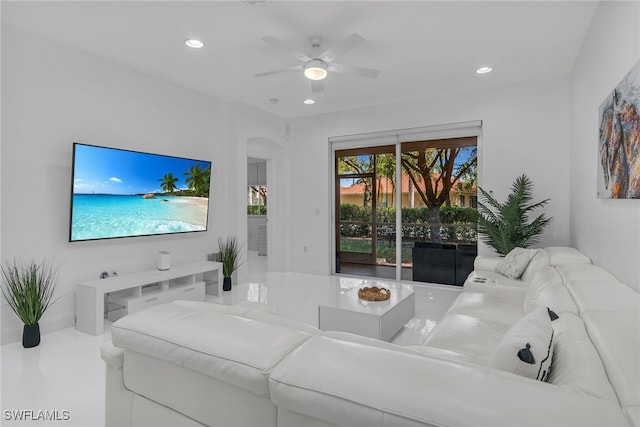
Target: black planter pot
<point>30,335</point>
<point>226,284</point>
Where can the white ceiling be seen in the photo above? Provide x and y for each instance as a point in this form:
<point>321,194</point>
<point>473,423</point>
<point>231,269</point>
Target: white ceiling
<point>424,48</point>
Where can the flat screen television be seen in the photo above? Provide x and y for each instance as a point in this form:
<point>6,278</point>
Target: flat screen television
<point>119,193</point>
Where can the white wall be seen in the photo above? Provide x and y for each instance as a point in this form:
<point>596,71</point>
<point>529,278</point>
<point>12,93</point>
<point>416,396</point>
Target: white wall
<point>525,130</point>
<point>53,96</point>
<point>606,230</point>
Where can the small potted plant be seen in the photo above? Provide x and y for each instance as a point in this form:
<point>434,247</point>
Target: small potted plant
<point>229,255</point>
<point>28,289</point>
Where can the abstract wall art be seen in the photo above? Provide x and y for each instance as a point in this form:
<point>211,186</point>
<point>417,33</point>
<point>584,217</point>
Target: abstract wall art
<point>619,140</point>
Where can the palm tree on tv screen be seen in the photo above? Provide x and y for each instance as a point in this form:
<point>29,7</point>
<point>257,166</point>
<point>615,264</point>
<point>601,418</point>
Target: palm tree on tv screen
<point>198,179</point>
<point>168,183</point>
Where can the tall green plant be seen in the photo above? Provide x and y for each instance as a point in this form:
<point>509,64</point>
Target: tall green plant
<point>28,288</point>
<point>229,255</point>
<point>506,226</point>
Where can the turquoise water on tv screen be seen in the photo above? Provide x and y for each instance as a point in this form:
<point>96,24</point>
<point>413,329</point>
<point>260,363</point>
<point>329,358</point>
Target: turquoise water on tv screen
<point>98,216</point>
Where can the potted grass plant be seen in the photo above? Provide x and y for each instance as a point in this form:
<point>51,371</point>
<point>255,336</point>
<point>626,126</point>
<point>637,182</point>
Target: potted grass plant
<point>504,226</point>
<point>28,288</point>
<point>229,255</point>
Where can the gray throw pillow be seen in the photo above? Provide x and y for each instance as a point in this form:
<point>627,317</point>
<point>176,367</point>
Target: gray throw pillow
<point>515,262</point>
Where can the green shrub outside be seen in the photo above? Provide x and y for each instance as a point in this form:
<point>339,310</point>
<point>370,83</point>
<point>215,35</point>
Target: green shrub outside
<point>457,224</point>
<point>448,214</point>
<point>256,210</point>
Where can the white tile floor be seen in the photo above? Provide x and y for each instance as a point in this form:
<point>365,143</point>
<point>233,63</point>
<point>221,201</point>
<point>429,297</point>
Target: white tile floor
<point>64,375</point>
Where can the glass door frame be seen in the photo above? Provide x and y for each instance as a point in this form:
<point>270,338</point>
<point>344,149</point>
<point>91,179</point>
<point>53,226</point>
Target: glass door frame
<point>373,223</point>
<point>395,138</point>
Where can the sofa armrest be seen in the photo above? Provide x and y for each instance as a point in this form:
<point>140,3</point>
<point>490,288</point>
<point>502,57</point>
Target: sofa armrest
<point>118,399</point>
<point>112,355</point>
<point>346,383</point>
<point>486,262</point>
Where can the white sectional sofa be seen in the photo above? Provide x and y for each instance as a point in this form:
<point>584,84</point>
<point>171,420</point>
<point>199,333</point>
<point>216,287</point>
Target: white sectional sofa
<point>191,364</point>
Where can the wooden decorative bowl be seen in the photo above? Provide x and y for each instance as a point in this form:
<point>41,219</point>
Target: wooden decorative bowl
<point>374,294</point>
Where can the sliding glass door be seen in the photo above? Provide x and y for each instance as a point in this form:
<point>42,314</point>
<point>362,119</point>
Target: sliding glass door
<point>429,195</point>
<point>365,211</point>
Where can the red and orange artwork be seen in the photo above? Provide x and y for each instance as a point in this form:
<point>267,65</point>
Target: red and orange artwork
<point>619,140</point>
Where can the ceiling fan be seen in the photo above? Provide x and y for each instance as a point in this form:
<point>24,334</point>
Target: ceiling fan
<point>317,66</point>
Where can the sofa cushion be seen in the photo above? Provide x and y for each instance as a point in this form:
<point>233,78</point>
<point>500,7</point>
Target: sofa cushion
<point>527,348</point>
<point>233,310</point>
<point>256,306</point>
<point>544,277</point>
<point>576,363</point>
<point>515,262</point>
<point>438,352</point>
<point>559,255</point>
<point>539,261</point>
<point>547,289</point>
<point>555,296</point>
<point>281,321</point>
<point>616,337</point>
<point>472,336</point>
<point>570,272</point>
<point>490,302</point>
<point>359,339</point>
<point>603,295</point>
<point>229,348</point>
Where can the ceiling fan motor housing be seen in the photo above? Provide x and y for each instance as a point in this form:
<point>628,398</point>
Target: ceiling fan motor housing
<point>315,41</point>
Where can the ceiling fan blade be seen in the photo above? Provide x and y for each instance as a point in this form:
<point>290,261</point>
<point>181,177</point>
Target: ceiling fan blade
<point>351,42</point>
<point>317,86</point>
<point>356,71</point>
<point>273,72</point>
<point>283,46</point>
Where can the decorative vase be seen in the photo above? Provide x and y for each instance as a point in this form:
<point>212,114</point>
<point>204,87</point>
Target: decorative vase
<point>30,335</point>
<point>226,284</point>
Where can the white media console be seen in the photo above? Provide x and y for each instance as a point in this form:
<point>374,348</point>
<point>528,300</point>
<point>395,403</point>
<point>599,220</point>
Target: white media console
<point>127,293</point>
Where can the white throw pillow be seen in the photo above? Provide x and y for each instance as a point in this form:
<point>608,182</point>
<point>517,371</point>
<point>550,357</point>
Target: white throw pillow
<point>515,262</point>
<point>527,348</point>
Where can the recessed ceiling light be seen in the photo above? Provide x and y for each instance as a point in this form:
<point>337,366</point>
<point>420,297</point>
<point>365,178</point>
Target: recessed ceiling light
<point>309,101</point>
<point>194,43</point>
<point>274,100</point>
<point>484,70</point>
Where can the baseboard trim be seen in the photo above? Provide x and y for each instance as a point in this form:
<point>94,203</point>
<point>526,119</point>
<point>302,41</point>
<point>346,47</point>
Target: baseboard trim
<point>47,326</point>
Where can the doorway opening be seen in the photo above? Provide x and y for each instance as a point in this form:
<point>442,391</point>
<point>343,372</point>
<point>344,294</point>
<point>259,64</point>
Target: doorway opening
<point>257,196</point>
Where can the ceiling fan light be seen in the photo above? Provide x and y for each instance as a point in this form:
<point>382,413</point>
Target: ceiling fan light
<point>315,70</point>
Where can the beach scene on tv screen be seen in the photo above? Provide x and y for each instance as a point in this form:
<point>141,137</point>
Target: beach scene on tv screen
<point>118,193</point>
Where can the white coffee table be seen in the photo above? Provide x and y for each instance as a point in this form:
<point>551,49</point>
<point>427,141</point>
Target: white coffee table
<point>379,319</point>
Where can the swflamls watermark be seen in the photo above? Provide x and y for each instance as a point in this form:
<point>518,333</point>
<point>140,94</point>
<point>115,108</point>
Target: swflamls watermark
<point>36,415</point>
